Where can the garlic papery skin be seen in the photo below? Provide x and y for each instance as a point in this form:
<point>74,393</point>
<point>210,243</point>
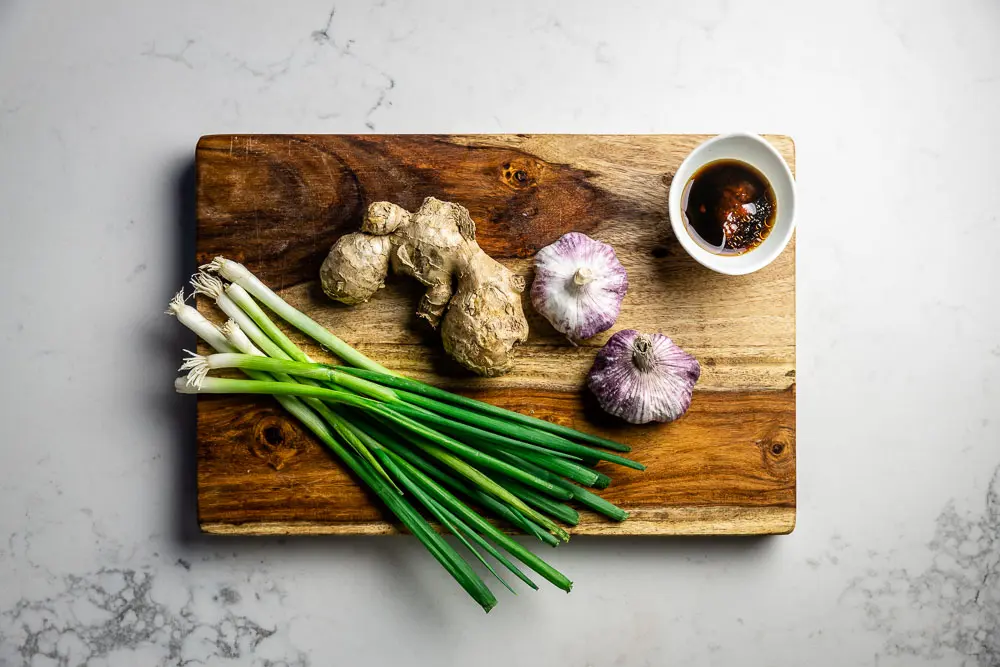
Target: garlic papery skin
<point>643,378</point>
<point>579,286</point>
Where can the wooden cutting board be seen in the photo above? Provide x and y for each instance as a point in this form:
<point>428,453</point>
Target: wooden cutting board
<point>277,203</point>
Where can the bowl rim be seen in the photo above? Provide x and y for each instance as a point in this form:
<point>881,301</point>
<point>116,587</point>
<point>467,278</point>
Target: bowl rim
<point>772,246</point>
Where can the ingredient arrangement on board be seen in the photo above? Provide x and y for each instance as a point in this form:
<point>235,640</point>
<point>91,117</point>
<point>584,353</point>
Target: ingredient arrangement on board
<point>474,469</point>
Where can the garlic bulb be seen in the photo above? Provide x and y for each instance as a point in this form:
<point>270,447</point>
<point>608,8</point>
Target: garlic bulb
<point>643,377</point>
<point>579,285</point>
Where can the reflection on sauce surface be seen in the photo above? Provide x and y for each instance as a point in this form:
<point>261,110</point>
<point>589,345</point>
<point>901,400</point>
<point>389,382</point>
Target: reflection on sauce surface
<point>729,207</point>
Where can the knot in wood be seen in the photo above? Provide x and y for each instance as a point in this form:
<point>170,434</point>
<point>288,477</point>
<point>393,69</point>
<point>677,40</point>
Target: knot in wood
<point>518,175</point>
<point>274,441</point>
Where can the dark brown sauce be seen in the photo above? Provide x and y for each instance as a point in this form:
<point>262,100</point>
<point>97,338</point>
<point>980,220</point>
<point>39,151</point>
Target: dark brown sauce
<point>729,207</point>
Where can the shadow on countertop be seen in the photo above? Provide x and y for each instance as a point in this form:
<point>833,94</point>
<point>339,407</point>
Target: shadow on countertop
<point>183,409</point>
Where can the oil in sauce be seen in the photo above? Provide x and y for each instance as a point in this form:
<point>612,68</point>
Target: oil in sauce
<point>729,207</point>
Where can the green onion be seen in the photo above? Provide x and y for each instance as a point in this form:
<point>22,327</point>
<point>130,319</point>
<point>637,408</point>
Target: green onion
<point>415,445</point>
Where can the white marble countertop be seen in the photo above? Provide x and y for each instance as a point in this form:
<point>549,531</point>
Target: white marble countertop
<point>894,107</point>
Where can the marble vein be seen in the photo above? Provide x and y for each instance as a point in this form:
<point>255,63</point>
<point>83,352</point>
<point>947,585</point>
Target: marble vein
<point>322,36</point>
<point>176,57</point>
<point>321,49</point>
<point>125,611</point>
<point>951,609</point>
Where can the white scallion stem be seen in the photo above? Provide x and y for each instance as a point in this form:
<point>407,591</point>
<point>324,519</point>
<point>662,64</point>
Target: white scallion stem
<point>196,322</point>
<point>239,274</point>
<point>238,339</point>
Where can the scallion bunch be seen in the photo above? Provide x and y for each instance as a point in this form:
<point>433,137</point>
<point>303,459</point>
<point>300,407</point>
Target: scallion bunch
<point>425,452</point>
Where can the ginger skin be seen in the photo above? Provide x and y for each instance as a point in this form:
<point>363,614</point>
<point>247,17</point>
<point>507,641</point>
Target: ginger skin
<point>481,321</point>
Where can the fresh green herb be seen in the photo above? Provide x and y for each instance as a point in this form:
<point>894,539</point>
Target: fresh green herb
<point>417,447</point>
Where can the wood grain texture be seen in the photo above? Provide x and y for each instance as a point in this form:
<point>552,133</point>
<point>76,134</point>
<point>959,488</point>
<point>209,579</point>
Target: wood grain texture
<point>278,202</point>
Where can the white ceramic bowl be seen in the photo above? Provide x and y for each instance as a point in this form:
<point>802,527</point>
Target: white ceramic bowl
<point>757,152</point>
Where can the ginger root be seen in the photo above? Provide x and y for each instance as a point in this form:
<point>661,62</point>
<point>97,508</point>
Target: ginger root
<point>475,299</point>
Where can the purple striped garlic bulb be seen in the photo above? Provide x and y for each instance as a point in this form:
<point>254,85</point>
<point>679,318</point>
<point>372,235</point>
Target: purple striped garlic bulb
<point>579,286</point>
<point>643,378</point>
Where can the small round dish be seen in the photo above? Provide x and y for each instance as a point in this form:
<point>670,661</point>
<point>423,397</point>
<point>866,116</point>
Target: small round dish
<point>758,153</point>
